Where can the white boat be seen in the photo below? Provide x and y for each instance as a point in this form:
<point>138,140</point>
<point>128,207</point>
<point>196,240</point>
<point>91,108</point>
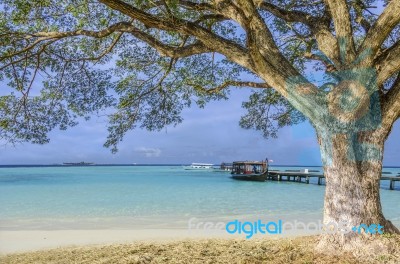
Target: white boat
<point>199,166</point>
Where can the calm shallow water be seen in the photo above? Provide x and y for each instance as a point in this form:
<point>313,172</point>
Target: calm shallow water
<point>154,196</point>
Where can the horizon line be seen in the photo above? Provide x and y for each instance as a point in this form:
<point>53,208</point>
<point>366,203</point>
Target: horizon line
<point>157,164</point>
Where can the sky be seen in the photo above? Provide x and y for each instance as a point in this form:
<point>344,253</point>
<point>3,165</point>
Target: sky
<point>210,135</point>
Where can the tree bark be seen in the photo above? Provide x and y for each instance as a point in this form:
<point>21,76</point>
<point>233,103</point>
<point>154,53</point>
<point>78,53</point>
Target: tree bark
<point>352,169</point>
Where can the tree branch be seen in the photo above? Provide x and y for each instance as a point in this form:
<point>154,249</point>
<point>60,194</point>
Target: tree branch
<point>170,51</point>
<point>183,3</point>
<point>215,17</point>
<point>329,66</point>
<point>388,63</point>
<point>377,34</point>
<point>12,62</point>
<point>344,33</point>
<point>272,66</point>
<point>288,16</point>
<point>118,27</point>
<point>391,107</point>
<point>27,48</point>
<point>319,26</point>
<point>230,49</point>
<point>196,6</point>
<point>227,84</point>
<point>163,49</point>
<point>359,6</point>
<point>45,36</point>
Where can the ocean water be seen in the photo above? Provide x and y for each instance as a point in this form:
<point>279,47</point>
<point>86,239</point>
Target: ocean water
<point>155,197</point>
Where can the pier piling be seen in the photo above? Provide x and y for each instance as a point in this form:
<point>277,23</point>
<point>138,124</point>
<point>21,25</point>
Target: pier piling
<point>297,176</point>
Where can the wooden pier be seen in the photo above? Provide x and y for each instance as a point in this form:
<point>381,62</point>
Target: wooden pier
<point>305,177</point>
<point>392,180</point>
<point>226,166</point>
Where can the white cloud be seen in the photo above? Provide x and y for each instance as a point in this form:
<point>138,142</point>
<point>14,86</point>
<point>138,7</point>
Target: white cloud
<point>149,152</point>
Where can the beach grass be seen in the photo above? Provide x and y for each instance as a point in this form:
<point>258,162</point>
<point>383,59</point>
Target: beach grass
<point>288,250</point>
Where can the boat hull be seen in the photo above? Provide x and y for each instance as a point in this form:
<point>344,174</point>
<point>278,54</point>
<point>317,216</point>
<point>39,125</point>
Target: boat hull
<point>250,177</point>
<point>199,166</point>
<point>198,169</point>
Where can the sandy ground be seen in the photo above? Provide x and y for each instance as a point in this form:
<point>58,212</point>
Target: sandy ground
<point>175,246</point>
<point>12,241</point>
<point>30,240</point>
<point>282,251</point>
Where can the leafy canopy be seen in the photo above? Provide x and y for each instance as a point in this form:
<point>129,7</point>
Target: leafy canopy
<point>143,62</point>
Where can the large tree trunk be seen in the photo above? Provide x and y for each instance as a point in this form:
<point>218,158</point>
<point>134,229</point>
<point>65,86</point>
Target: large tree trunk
<point>352,167</point>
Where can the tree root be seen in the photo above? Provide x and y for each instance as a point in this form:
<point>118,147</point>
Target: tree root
<point>363,246</point>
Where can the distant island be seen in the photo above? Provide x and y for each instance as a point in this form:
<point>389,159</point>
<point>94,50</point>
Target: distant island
<point>78,163</point>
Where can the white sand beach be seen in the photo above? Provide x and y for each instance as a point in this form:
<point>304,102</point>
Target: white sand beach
<point>30,240</point>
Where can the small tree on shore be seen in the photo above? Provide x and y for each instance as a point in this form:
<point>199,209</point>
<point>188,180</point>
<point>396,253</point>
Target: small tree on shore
<point>147,60</point>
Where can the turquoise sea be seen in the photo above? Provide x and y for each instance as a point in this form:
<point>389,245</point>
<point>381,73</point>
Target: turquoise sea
<point>95,197</point>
